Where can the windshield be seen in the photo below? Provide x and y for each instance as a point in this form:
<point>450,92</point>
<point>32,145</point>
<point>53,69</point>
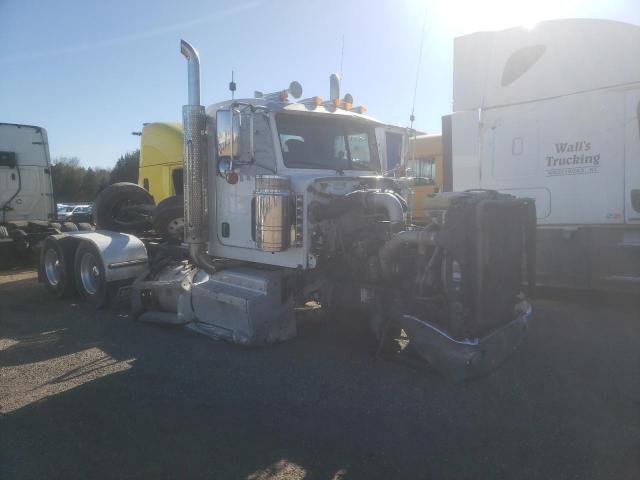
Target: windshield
<point>327,142</point>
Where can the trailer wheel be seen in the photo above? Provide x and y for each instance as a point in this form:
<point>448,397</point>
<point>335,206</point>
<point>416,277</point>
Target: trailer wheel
<point>90,275</point>
<point>123,207</point>
<point>69,227</point>
<point>56,267</point>
<point>168,219</point>
<point>85,227</point>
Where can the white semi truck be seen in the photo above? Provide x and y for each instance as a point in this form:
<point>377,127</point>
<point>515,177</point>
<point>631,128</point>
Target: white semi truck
<point>284,203</point>
<point>552,113</point>
<point>27,207</point>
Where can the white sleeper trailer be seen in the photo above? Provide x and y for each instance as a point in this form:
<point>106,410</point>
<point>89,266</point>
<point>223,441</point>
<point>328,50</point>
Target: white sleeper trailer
<point>552,113</point>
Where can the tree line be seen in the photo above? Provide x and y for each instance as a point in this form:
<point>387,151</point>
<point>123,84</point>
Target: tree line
<point>73,183</point>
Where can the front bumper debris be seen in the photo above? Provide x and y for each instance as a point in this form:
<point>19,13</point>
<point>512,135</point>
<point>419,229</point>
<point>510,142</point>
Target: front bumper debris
<point>460,360</point>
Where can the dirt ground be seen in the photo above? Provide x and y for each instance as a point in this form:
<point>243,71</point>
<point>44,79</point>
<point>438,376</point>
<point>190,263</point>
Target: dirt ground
<point>86,394</point>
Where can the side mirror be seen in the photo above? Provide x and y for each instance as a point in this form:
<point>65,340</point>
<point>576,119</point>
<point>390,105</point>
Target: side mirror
<point>228,135</point>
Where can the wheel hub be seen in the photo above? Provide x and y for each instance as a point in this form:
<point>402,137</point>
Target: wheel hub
<point>52,267</point>
<point>90,273</point>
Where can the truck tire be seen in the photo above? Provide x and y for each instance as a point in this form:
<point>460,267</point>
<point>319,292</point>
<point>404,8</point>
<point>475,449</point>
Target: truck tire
<point>69,227</point>
<point>56,267</point>
<point>89,274</point>
<point>4,233</point>
<point>85,227</point>
<point>168,218</point>
<point>113,208</point>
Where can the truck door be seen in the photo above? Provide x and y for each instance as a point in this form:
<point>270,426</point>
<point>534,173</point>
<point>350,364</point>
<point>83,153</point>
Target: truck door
<point>632,157</point>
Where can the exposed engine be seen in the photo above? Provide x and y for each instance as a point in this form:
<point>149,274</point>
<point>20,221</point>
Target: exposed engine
<point>462,275</point>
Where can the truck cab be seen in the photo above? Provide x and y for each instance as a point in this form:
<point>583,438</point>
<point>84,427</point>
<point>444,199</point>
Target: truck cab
<point>160,171</point>
<point>26,191</point>
<point>304,141</point>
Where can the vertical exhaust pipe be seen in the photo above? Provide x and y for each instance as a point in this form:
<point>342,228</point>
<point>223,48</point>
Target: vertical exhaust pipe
<point>195,165</point>
<point>193,72</point>
<point>334,87</point>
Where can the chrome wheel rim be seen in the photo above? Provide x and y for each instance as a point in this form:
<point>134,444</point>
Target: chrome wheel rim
<point>89,273</point>
<point>52,267</point>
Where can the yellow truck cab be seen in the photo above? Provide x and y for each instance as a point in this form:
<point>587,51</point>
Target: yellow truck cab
<point>160,171</point>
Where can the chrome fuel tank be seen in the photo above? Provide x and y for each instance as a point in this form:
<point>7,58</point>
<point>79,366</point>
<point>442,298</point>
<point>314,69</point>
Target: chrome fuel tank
<point>272,216</point>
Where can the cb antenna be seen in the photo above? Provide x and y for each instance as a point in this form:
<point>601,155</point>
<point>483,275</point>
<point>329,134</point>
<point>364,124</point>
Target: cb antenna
<point>341,55</point>
<point>232,86</point>
<point>415,89</point>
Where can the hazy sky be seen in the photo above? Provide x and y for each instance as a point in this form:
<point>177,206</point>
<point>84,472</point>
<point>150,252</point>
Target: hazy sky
<point>92,72</point>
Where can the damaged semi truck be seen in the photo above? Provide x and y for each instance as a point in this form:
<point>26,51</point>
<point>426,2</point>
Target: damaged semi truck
<point>282,205</point>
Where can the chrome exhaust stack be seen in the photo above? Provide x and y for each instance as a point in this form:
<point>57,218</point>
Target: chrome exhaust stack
<point>195,165</point>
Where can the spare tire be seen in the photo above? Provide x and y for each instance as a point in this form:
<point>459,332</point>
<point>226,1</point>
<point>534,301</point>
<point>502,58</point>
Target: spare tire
<point>168,219</point>
<point>69,227</point>
<point>123,207</point>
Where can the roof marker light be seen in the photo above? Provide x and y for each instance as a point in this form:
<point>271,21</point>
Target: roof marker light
<point>312,101</point>
<point>347,102</point>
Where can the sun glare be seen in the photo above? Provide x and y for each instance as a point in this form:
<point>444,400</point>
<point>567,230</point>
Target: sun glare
<point>467,16</point>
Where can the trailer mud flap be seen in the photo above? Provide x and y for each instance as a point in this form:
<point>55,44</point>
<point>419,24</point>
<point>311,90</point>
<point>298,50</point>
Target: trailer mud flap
<point>460,360</point>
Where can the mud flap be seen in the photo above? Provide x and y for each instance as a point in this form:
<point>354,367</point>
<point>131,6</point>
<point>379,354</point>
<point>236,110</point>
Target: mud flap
<point>461,360</point>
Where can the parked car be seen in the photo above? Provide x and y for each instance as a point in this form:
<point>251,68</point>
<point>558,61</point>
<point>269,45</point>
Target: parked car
<point>81,214</point>
<point>65,214</point>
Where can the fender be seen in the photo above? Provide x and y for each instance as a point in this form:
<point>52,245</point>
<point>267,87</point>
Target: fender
<point>124,256</point>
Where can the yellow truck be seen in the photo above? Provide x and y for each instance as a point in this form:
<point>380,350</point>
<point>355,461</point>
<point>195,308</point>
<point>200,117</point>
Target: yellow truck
<point>160,174</point>
<point>161,160</point>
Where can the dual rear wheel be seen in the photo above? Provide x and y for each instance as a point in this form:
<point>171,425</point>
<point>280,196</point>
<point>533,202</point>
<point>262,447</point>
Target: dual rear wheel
<point>66,270</point>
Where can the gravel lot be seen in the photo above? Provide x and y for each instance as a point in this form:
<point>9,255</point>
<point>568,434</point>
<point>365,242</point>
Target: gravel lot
<point>87,394</point>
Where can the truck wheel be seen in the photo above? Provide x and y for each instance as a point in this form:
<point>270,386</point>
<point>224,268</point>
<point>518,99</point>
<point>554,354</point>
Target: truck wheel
<point>168,219</point>
<point>90,275</point>
<point>56,267</point>
<point>123,207</point>
<point>4,233</point>
<point>85,227</point>
<point>69,227</point>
